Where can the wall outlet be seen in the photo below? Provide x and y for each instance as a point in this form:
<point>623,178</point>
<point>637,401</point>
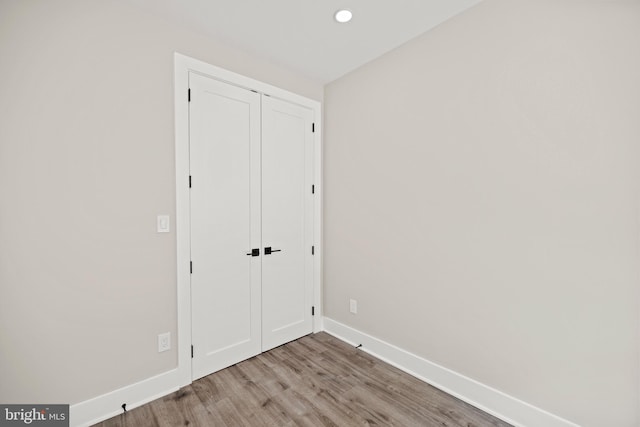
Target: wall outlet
<point>163,223</point>
<point>164,342</point>
<point>353,306</point>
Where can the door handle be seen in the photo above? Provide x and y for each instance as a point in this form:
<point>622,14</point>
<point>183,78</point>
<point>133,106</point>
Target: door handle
<point>254,252</point>
<point>269,251</point>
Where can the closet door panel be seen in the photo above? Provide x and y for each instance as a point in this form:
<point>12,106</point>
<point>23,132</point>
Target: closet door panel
<point>287,222</point>
<point>225,224</point>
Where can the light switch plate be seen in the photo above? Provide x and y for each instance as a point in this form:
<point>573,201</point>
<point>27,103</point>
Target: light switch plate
<point>163,224</point>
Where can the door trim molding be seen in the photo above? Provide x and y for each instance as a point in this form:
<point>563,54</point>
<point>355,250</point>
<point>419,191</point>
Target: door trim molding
<point>182,66</point>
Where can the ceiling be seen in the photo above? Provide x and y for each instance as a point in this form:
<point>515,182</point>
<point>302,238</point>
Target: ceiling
<point>302,35</point>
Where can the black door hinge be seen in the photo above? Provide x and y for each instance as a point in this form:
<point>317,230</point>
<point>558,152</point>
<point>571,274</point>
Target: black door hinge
<point>191,267</point>
<point>313,127</point>
<point>313,189</point>
<point>189,95</point>
<point>189,181</point>
<point>313,311</point>
<point>192,352</point>
<point>313,250</point>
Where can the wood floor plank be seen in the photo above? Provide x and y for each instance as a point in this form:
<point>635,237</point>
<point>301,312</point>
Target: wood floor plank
<point>317,380</point>
<point>181,408</point>
<point>251,399</point>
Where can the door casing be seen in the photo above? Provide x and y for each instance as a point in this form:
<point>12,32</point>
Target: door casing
<point>182,66</point>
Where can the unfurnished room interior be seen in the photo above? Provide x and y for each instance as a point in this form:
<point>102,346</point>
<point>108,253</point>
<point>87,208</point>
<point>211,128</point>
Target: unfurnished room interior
<point>320,213</point>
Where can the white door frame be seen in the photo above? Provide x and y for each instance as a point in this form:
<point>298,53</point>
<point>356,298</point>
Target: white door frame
<point>182,66</point>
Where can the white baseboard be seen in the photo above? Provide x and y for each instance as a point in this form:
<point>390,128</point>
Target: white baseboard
<point>490,400</point>
<point>108,405</point>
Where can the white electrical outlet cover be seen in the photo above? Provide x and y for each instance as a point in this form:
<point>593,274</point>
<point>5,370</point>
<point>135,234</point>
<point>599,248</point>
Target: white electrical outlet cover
<point>163,224</point>
<point>164,342</point>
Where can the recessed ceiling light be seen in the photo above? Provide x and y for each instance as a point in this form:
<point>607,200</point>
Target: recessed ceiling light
<point>343,16</point>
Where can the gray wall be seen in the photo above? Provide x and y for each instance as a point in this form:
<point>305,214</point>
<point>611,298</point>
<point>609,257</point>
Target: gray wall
<point>86,164</point>
<point>481,190</point>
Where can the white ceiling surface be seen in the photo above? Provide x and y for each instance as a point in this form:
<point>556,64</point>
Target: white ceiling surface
<point>302,35</point>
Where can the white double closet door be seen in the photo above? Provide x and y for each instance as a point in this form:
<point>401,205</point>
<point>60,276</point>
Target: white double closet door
<point>251,163</point>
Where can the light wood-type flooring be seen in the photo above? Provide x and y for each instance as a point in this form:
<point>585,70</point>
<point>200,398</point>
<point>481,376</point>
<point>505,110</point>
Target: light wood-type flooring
<point>317,380</point>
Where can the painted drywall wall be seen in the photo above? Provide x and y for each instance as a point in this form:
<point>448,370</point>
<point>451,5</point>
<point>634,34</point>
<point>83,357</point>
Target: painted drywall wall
<point>481,202</point>
<point>86,164</point>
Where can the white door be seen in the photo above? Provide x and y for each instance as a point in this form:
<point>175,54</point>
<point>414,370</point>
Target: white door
<point>224,126</point>
<point>287,222</point>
